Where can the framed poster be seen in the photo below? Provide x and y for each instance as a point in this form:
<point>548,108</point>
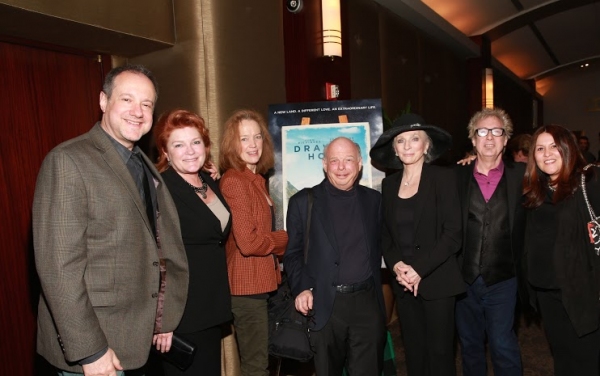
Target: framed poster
<point>300,132</point>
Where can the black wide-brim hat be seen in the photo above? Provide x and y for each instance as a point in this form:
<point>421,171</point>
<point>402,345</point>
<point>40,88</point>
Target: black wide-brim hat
<point>383,154</point>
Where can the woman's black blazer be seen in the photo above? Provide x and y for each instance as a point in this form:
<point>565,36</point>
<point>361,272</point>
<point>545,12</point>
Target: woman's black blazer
<point>437,234</point>
<point>209,299</point>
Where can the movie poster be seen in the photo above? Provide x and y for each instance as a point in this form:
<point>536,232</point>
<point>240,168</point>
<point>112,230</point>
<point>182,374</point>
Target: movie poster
<point>299,148</point>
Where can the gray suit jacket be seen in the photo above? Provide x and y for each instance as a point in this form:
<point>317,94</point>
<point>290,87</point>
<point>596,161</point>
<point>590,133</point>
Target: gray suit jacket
<point>97,257</point>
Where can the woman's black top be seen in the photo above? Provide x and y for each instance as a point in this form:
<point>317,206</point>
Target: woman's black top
<point>404,222</point>
<point>540,256</point>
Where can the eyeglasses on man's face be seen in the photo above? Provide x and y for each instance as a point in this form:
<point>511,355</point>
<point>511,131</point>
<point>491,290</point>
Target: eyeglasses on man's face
<point>496,132</point>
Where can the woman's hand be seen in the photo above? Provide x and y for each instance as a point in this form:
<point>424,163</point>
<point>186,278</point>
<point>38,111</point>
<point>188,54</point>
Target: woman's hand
<point>407,277</point>
<point>163,341</point>
<point>400,268</point>
<point>412,279</point>
<point>212,170</point>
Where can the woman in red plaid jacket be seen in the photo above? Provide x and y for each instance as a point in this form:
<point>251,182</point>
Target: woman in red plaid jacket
<point>253,246</point>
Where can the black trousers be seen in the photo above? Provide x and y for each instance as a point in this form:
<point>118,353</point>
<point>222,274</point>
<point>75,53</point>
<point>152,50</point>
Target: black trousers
<point>353,337</point>
<point>427,328</point>
<point>572,355</point>
<point>207,360</point>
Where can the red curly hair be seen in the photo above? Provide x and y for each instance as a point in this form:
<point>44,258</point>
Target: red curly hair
<point>178,119</point>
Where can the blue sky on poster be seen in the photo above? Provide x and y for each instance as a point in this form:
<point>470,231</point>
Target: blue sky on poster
<point>303,151</point>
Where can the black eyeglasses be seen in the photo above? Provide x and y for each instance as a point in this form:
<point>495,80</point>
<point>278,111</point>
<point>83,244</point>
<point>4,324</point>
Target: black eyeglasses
<point>496,132</point>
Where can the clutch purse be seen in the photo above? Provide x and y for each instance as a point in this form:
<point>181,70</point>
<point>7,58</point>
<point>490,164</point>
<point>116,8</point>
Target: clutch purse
<point>181,354</point>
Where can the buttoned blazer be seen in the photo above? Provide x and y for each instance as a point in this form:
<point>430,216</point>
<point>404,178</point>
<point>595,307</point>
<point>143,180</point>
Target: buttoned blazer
<point>97,258</point>
<point>252,246</point>
<point>209,299</point>
<point>321,270</point>
<point>513,171</point>
<point>437,234</point>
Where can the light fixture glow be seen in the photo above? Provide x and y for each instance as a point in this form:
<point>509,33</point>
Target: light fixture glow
<point>488,88</point>
<point>332,28</point>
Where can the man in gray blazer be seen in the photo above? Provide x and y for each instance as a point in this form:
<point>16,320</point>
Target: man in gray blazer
<point>107,241</point>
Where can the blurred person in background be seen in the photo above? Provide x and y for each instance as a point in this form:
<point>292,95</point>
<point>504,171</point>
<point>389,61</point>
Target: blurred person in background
<point>518,147</point>
<point>584,147</point>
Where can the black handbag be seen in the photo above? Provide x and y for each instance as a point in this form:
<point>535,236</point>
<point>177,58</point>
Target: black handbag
<point>289,332</point>
<point>181,354</point>
<point>288,328</point>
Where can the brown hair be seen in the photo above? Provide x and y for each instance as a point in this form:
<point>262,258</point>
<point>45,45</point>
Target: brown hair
<point>229,153</point>
<point>109,80</point>
<point>535,182</point>
<point>521,143</point>
<point>173,120</point>
<point>485,113</point>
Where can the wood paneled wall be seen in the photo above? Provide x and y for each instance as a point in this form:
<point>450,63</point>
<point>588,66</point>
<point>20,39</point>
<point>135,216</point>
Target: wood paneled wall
<point>517,101</point>
<point>306,70</point>
<point>48,97</point>
<point>393,60</point>
<point>383,57</point>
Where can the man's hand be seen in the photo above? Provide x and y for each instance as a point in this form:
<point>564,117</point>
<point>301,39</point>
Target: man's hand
<point>304,302</point>
<point>107,365</point>
<point>467,160</point>
<point>163,341</point>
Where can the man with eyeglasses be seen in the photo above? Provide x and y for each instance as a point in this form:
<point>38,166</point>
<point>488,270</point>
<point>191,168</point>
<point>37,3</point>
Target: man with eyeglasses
<point>490,191</point>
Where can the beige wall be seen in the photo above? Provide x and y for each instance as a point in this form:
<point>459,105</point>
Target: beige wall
<point>572,99</point>
<point>147,18</point>
<point>228,55</point>
<point>118,27</point>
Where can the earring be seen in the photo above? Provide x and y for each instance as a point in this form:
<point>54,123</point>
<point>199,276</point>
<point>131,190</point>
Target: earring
<point>169,162</point>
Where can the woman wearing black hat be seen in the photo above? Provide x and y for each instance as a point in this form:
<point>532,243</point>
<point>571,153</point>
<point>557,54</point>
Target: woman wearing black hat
<point>421,236</point>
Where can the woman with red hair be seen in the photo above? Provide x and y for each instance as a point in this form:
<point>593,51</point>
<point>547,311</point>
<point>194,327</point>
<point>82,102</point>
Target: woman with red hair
<point>184,144</point>
<point>246,154</point>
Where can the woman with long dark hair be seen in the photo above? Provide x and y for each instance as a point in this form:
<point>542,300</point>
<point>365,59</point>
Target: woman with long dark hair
<point>561,262</point>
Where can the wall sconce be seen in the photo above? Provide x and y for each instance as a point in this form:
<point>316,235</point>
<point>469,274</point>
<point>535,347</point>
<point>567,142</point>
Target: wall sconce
<point>488,88</point>
<point>332,28</point>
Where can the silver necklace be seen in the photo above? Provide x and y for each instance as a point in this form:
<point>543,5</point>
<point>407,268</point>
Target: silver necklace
<point>407,181</point>
<point>201,190</point>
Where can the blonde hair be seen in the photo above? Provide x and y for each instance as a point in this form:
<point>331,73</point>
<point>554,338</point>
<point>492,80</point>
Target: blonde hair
<point>498,113</point>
